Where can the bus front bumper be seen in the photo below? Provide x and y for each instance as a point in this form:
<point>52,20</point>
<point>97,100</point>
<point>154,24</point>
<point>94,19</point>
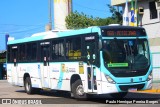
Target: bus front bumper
<point>130,87</point>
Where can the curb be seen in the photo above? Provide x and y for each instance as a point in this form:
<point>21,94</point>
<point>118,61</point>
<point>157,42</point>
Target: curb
<point>151,91</point>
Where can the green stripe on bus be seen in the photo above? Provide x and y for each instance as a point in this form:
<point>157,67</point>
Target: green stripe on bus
<point>118,65</point>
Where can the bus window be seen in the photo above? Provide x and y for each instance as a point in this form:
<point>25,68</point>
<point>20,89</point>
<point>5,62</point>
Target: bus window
<point>34,51</point>
<point>126,54</point>
<point>58,50</point>
<point>73,48</point>
<point>31,51</point>
<point>8,54</point>
<point>22,55</point>
<point>14,54</point>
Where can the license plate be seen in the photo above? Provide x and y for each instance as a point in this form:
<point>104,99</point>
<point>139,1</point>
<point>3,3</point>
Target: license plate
<point>132,89</point>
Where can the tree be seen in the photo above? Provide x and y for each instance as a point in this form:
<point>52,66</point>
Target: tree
<point>116,15</point>
<point>76,20</point>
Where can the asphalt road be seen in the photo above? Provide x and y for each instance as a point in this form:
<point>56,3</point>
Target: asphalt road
<point>17,95</point>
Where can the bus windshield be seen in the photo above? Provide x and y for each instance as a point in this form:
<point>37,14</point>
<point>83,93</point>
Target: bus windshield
<point>126,54</point>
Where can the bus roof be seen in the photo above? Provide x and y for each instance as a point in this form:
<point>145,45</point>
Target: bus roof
<point>120,27</point>
<point>52,34</point>
<point>57,34</point>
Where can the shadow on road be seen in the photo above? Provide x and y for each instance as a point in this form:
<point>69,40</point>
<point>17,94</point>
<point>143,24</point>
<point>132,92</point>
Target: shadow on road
<point>64,97</point>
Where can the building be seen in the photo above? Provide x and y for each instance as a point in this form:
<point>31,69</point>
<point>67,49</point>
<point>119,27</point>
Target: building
<point>149,18</point>
<point>2,65</point>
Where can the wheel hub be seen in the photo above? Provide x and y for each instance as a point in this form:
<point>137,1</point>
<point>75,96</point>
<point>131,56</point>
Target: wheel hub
<point>27,86</point>
<point>80,90</point>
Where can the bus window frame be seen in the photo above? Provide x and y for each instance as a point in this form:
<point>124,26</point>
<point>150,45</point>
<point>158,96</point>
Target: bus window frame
<point>81,48</point>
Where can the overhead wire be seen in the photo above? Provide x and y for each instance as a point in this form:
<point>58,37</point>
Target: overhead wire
<point>21,31</point>
<point>19,25</point>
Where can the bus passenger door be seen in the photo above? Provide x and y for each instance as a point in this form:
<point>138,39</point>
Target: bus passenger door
<point>90,50</point>
<point>45,74</point>
<point>15,65</point>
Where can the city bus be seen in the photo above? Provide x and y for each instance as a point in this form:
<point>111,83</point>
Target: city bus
<point>97,60</point>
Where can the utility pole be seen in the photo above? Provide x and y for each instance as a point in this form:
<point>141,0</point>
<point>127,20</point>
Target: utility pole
<point>49,25</point>
<point>50,13</point>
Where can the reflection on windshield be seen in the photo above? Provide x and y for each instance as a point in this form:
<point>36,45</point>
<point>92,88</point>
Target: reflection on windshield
<point>126,54</point>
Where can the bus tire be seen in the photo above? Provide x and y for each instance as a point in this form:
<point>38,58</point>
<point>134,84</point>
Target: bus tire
<point>119,95</point>
<point>28,86</point>
<point>78,90</point>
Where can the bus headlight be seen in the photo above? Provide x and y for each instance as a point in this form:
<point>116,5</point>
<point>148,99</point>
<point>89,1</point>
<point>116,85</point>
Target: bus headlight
<point>150,76</point>
<point>109,79</point>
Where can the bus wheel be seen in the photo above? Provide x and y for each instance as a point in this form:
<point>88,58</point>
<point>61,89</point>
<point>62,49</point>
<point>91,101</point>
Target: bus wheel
<point>28,86</point>
<point>78,90</point>
<point>118,95</point>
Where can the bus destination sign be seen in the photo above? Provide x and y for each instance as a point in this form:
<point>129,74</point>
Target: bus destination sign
<point>121,33</point>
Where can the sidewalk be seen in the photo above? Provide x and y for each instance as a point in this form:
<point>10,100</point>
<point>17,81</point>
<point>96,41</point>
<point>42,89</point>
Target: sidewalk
<point>155,89</point>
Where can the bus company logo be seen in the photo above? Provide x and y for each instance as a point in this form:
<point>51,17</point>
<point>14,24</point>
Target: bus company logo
<point>63,67</point>
<point>72,70</point>
<point>39,67</point>
<point>55,70</point>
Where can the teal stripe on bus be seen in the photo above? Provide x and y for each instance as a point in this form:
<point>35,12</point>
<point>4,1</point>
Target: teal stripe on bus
<point>29,39</point>
<point>59,85</point>
<point>76,32</point>
<point>60,34</point>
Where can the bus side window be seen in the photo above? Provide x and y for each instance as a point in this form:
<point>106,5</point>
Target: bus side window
<point>34,51</point>
<point>22,53</point>
<point>73,48</point>
<point>58,50</point>
<point>14,53</point>
<point>9,54</point>
<point>31,51</point>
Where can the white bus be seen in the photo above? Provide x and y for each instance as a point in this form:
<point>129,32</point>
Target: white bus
<point>96,60</point>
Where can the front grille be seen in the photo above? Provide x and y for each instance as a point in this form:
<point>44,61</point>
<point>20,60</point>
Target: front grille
<point>128,73</point>
<point>127,87</point>
<point>131,74</point>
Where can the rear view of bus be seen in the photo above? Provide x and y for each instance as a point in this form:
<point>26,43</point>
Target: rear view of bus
<point>125,60</point>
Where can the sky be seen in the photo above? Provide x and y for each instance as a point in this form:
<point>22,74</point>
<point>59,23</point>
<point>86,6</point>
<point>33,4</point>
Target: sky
<point>22,18</point>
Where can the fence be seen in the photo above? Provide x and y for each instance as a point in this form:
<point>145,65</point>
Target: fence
<point>156,70</point>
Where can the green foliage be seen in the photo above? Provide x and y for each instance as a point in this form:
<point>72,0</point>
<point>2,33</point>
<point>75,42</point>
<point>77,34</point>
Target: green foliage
<point>78,20</point>
<point>116,15</point>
